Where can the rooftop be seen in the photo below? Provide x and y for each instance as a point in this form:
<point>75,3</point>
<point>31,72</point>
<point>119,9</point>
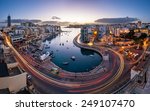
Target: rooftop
<point>3,70</point>
<point>14,71</point>
<point>4,91</point>
<point>24,91</point>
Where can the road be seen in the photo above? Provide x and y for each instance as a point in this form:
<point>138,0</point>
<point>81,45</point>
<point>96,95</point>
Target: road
<point>116,76</point>
<point>94,86</point>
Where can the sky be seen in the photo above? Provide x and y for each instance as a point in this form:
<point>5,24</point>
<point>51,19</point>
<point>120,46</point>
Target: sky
<point>75,10</point>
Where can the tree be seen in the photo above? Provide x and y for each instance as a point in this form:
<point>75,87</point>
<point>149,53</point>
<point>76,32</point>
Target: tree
<point>130,34</point>
<point>143,36</point>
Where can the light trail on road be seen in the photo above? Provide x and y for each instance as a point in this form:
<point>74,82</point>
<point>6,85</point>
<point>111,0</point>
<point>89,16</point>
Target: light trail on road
<point>68,84</point>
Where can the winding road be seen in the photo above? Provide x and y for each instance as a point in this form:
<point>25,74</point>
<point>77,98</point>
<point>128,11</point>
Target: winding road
<point>99,85</point>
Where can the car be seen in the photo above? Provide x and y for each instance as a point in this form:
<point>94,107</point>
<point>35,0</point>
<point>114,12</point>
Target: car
<point>29,77</point>
<point>135,55</point>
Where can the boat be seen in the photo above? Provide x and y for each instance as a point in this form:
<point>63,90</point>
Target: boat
<point>44,56</point>
<point>51,53</point>
<point>91,56</point>
<point>73,58</point>
<point>47,47</point>
<point>55,71</point>
<point>41,47</point>
<point>65,63</point>
<point>52,56</point>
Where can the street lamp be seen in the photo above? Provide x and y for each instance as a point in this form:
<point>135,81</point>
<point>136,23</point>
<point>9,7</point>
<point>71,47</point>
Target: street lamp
<point>90,44</point>
<point>95,33</point>
<point>122,47</point>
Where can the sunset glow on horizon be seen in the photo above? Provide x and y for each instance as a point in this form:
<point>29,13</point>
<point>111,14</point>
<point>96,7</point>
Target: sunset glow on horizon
<point>74,10</point>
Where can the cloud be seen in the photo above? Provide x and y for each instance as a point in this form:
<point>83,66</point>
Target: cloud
<point>55,17</point>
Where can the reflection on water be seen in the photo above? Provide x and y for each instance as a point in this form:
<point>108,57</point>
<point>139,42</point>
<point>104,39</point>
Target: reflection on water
<point>87,52</point>
<point>63,50</point>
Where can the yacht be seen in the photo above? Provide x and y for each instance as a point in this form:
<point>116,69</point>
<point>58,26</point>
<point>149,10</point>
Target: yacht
<point>44,56</point>
<point>65,63</point>
<point>73,58</point>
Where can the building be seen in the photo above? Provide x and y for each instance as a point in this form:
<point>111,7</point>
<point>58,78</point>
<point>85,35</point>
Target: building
<point>27,24</point>
<point>117,32</point>
<point>19,31</point>
<point>12,77</point>
<point>52,29</point>
<point>8,21</point>
<point>134,72</point>
<point>1,51</point>
<point>92,32</point>
<point>101,31</point>
<point>107,31</point>
<point>124,43</point>
<point>13,83</point>
<point>84,34</point>
<point>142,30</point>
<point>139,24</point>
<point>17,38</point>
<point>124,30</point>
